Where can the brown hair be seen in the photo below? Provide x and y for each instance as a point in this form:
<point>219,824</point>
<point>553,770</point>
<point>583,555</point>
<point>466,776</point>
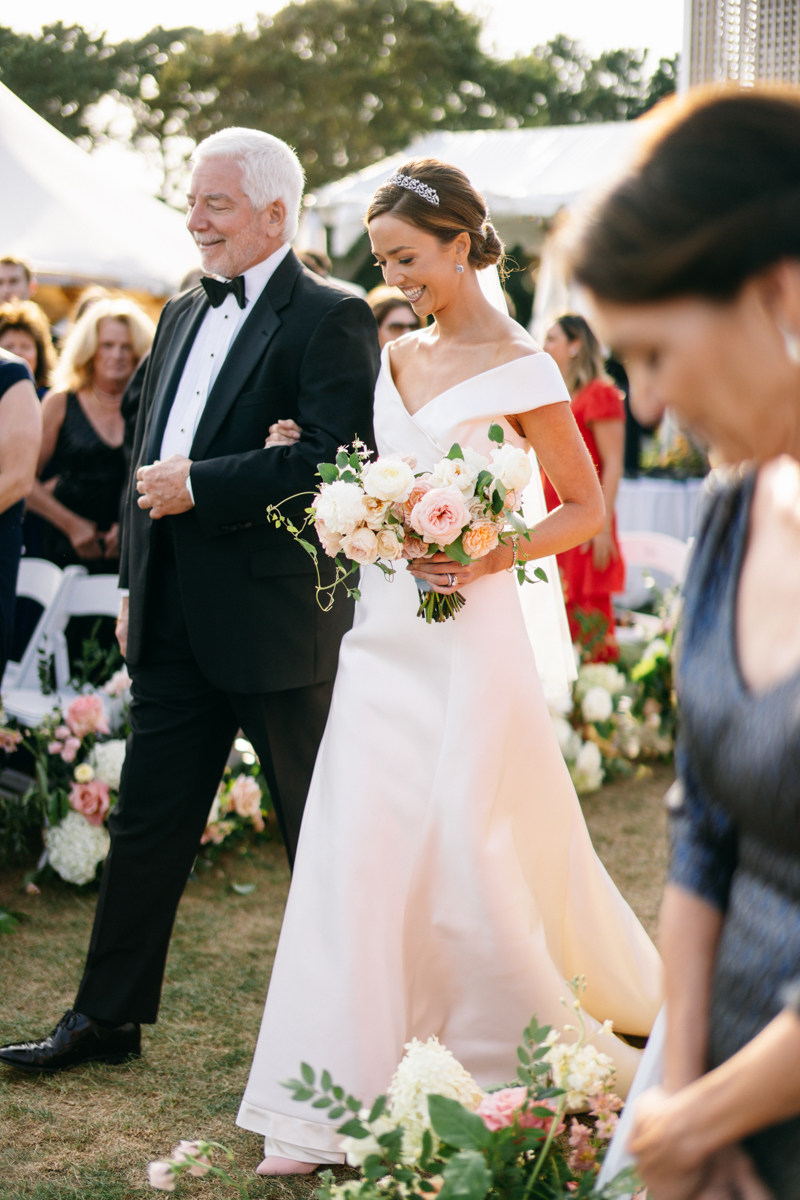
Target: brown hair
<point>714,200</point>
<point>587,365</point>
<point>9,260</point>
<point>28,317</point>
<point>461,209</point>
<point>382,309</point>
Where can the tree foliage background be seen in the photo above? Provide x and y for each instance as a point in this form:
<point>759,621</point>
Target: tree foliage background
<point>344,81</point>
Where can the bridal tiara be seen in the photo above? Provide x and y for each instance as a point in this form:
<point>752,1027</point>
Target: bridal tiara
<point>415,185</point>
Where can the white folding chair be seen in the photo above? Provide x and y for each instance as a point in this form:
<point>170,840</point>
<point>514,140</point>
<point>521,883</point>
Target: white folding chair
<point>657,552</point>
<point>79,595</point>
<point>37,580</point>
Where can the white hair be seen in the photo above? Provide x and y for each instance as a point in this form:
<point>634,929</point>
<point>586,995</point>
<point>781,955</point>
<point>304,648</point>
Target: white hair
<point>270,169</point>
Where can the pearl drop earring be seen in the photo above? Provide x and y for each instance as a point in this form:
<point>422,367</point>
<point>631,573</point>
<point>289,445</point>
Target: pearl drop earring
<point>459,267</point>
<point>792,343</point>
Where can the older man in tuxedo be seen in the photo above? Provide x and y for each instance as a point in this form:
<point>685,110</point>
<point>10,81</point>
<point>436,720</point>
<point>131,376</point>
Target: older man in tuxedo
<point>222,629</point>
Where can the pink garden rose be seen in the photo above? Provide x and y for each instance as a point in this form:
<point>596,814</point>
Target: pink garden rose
<point>9,740</point>
<point>361,545</point>
<point>245,798</point>
<point>91,799</point>
<point>480,539</point>
<point>161,1175</point>
<point>419,489</point>
<point>185,1150</point>
<point>87,714</point>
<point>499,1109</point>
<point>331,542</point>
<point>414,547</point>
<point>440,515</point>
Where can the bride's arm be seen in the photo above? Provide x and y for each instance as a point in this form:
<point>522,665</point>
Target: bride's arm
<point>561,450</point>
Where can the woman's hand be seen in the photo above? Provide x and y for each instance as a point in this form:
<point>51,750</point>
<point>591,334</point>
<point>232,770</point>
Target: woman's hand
<point>111,541</point>
<point>84,538</point>
<point>283,433</point>
<point>603,549</point>
<point>439,570</point>
<point>734,1177</point>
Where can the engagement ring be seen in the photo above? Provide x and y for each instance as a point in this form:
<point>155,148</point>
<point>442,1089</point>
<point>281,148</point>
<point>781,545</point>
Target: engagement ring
<point>452,580</point>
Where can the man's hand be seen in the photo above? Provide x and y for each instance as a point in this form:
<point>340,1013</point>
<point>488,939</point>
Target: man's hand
<point>111,541</point>
<point>122,626</point>
<point>162,487</point>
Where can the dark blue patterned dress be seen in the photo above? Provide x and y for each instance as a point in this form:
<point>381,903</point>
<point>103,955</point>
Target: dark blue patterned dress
<point>735,819</point>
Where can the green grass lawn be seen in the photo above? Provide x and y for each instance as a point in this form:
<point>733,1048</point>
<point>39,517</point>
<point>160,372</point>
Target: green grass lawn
<point>88,1134</point>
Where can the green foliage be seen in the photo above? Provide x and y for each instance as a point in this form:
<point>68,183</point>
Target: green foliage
<point>97,663</point>
<point>345,81</point>
<point>456,1125</point>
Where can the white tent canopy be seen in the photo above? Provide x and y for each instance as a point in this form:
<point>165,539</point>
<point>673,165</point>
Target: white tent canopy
<point>61,210</point>
<point>523,173</point>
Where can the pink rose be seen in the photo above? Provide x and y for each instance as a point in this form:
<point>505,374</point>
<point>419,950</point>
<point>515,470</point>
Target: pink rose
<point>414,547</point>
<point>91,799</point>
<point>419,489</point>
<point>186,1150</point>
<point>361,545</point>
<point>245,796</point>
<point>440,515</point>
<point>480,539</point>
<point>70,748</point>
<point>54,747</point>
<point>87,714</point>
<point>499,1109</point>
<point>9,740</point>
<point>62,732</point>
<point>331,542</point>
<point>161,1175</point>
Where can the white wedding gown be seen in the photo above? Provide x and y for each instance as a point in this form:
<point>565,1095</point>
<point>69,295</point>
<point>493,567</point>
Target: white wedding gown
<point>445,880</point>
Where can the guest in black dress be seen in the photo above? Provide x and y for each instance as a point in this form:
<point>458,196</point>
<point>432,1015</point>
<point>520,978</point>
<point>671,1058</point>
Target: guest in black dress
<point>20,439</point>
<point>694,263</point>
<point>82,446</point>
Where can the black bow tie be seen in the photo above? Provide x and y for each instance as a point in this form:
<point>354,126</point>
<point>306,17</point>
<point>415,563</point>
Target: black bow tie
<point>218,289</point>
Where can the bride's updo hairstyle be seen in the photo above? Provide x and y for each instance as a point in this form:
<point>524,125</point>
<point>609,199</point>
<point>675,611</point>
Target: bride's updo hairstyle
<point>461,209</point>
<point>714,201</point>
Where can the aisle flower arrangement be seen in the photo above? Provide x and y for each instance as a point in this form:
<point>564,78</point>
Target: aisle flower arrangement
<point>380,512</point>
<point>437,1133</point>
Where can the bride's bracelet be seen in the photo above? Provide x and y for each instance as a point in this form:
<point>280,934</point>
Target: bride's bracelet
<point>515,555</point>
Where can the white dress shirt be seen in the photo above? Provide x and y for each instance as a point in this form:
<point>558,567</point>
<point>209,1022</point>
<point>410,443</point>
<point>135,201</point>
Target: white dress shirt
<point>214,338</point>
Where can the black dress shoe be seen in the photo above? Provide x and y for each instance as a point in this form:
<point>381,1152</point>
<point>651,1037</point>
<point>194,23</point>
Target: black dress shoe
<point>75,1039</point>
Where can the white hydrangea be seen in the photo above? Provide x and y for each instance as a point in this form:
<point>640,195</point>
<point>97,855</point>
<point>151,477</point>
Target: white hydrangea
<point>597,704</point>
<point>427,1068</point>
<point>599,675</point>
<point>340,506</point>
<point>569,741</point>
<point>74,848</point>
<point>106,759</point>
<point>583,1072</point>
<point>587,770</point>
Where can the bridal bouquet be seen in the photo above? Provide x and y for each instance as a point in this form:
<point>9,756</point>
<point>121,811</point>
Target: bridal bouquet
<point>380,512</point>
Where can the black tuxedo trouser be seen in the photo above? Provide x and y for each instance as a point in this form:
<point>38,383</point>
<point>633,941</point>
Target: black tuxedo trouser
<point>182,729</point>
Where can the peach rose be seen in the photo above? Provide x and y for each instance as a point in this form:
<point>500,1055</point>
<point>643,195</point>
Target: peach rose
<point>480,539</point>
<point>414,547</point>
<point>422,485</point>
<point>245,797</point>
<point>186,1150</point>
<point>87,714</point>
<point>361,545</point>
<point>389,545</point>
<point>440,516</point>
<point>331,542</point>
<point>376,511</point>
<point>91,800</point>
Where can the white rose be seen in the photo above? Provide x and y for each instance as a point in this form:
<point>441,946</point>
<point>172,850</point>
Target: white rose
<point>455,472</point>
<point>597,705</point>
<point>361,545</point>
<point>340,506</point>
<point>389,545</point>
<point>107,759</point>
<point>376,511</point>
<point>511,465</point>
<point>388,479</point>
<point>478,461</point>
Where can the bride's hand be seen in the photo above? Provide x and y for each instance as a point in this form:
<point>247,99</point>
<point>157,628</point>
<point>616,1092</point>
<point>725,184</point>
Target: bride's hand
<point>283,433</point>
<point>439,571</point>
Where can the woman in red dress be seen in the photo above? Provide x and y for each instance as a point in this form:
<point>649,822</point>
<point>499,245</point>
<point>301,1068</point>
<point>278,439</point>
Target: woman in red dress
<point>591,572</point>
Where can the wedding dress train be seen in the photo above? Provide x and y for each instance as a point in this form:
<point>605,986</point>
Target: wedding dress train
<point>445,880</point>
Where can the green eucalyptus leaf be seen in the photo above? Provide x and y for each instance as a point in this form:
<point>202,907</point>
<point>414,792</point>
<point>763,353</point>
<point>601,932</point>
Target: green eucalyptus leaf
<point>496,433</point>
<point>542,575</point>
<point>455,451</point>
<point>457,552</point>
<point>307,546</point>
<point>342,459</point>
<point>327,472</point>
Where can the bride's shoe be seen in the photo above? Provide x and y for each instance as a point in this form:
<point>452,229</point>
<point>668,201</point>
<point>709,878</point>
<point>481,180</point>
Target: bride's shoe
<point>273,1165</point>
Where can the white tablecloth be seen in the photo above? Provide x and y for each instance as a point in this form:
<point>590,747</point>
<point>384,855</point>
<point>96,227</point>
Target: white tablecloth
<point>659,505</point>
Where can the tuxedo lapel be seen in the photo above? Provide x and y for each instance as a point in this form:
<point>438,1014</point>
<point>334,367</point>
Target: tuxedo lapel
<point>186,330</point>
<point>248,347</point>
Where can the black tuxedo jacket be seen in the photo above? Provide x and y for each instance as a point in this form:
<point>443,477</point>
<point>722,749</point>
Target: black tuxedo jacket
<point>309,351</point>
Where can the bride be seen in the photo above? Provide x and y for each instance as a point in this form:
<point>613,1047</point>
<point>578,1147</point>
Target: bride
<point>445,882</point>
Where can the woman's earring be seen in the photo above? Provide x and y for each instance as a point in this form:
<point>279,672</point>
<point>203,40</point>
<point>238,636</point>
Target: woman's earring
<point>792,343</point>
<point>459,267</point>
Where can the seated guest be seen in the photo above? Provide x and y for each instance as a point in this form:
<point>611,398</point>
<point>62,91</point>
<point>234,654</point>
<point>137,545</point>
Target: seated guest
<point>392,311</point>
<point>592,572</point>
<point>20,438</point>
<point>24,331</point>
<point>17,281</point>
<point>83,435</point>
